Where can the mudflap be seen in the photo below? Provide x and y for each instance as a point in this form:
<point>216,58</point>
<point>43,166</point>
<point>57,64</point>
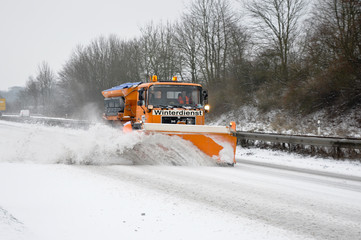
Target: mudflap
<point>218,142</point>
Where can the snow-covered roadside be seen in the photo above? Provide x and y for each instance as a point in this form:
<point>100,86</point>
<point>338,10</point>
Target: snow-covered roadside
<point>249,118</point>
<point>345,167</point>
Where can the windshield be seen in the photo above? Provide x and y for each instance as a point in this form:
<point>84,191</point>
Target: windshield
<point>174,95</point>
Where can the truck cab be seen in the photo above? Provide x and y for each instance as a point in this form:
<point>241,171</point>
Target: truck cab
<point>169,102</point>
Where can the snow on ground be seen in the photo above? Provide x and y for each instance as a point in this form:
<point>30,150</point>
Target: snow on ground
<point>66,202</point>
<point>58,183</point>
<point>345,167</point>
<point>10,227</point>
<point>249,118</point>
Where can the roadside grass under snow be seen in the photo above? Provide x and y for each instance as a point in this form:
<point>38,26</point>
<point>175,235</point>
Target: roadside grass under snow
<point>278,157</point>
<point>249,118</point>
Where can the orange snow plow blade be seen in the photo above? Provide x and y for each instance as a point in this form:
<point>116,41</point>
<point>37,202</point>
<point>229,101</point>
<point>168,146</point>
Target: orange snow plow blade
<point>217,142</point>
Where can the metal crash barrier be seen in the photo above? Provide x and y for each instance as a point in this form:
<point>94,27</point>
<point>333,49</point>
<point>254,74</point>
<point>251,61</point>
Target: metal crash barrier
<point>302,140</point>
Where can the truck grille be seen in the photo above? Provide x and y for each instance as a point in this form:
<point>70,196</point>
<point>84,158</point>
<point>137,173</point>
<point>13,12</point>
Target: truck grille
<point>175,120</point>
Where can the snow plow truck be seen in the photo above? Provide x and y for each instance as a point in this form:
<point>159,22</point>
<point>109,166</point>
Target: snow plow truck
<point>2,105</point>
<point>172,108</point>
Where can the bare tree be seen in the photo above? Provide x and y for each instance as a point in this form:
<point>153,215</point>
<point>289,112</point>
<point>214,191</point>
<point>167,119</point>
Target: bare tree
<point>104,63</point>
<point>278,24</point>
<point>186,40</point>
<point>45,79</point>
<point>160,56</point>
<point>214,22</point>
<point>333,54</point>
<point>338,23</point>
<point>32,90</point>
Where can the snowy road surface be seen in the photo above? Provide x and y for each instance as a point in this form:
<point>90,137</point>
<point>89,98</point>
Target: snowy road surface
<point>40,199</point>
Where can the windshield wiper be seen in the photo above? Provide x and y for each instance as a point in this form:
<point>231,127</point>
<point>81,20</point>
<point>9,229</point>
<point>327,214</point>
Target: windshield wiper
<point>176,106</point>
<point>163,106</point>
<point>189,106</point>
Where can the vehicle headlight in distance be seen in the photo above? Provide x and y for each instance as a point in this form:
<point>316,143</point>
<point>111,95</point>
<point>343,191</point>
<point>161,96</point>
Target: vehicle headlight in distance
<point>207,107</point>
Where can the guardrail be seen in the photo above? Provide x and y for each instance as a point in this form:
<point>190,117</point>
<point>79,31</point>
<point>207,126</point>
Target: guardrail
<point>63,122</point>
<point>302,140</point>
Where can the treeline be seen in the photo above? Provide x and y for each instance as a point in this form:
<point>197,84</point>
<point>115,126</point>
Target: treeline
<point>269,53</point>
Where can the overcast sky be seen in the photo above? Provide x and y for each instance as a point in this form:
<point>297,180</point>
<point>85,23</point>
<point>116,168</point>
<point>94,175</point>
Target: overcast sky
<point>32,31</point>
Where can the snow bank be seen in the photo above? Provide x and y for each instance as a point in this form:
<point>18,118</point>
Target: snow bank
<point>346,167</point>
<point>249,118</point>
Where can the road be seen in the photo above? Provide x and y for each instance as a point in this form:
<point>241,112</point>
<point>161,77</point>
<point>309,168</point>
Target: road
<point>44,200</point>
<point>309,205</point>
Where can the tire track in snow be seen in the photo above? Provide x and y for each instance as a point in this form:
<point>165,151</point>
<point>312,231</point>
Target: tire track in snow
<point>10,227</point>
<point>312,210</point>
<point>300,170</point>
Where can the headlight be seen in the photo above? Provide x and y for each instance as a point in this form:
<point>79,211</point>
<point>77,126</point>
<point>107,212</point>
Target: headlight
<point>207,107</point>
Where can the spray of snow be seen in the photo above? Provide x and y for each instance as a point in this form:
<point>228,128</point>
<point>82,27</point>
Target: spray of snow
<point>167,150</point>
<point>98,145</point>
<point>226,155</point>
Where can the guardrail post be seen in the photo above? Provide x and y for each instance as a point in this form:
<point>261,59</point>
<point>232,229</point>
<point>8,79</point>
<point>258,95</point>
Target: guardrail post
<point>319,127</point>
<point>338,152</point>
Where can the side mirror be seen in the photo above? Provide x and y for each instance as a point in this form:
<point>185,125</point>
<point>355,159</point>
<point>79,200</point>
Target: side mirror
<point>141,94</point>
<point>205,95</point>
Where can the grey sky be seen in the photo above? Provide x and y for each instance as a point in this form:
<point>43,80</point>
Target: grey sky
<point>32,31</point>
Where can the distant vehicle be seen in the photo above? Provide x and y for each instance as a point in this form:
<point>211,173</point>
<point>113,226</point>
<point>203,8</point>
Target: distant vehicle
<point>24,113</point>
<point>2,105</point>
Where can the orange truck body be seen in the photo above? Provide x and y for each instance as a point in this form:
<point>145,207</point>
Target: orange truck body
<point>154,107</point>
<point>2,104</point>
